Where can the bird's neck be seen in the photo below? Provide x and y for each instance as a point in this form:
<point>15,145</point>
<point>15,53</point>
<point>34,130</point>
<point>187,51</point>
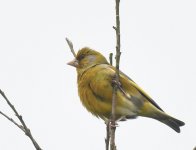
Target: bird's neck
<point>80,71</point>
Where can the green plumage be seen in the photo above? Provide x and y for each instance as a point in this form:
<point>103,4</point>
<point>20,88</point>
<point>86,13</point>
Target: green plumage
<point>95,87</point>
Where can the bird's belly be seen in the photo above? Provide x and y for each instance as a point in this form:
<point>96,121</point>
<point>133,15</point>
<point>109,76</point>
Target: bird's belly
<point>102,108</point>
<point>126,109</point>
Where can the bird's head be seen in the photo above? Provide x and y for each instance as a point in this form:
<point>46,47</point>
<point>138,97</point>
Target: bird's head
<point>87,58</point>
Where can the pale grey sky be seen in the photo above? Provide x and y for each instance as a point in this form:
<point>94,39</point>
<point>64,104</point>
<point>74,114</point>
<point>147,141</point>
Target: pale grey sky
<point>158,53</point>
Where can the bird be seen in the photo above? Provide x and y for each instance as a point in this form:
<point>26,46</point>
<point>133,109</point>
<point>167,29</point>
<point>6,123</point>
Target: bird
<point>95,79</point>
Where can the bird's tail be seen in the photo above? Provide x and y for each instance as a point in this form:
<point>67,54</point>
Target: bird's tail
<point>175,124</point>
<point>151,111</point>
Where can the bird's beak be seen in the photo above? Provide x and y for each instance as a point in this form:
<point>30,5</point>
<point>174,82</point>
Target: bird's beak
<point>73,63</point>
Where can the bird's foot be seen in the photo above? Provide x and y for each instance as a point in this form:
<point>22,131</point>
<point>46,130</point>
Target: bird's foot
<point>110,123</point>
<point>113,125</point>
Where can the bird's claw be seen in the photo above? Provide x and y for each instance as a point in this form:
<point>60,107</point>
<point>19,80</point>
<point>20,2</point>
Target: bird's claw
<point>113,125</point>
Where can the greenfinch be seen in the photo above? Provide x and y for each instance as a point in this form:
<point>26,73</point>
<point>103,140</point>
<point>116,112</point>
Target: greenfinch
<point>95,78</point>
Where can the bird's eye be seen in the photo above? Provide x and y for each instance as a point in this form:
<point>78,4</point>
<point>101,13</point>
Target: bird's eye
<point>81,57</point>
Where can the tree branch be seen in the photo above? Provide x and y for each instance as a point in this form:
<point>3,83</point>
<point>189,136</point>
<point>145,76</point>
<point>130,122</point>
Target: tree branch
<point>12,120</point>
<point>23,127</point>
<point>111,58</point>
<point>107,139</point>
<point>118,53</point>
<point>71,46</point>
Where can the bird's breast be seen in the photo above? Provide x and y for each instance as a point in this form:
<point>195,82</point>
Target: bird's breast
<point>93,103</point>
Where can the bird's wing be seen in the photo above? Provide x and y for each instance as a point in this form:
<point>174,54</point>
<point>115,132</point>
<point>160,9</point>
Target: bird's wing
<point>129,84</point>
<point>101,85</point>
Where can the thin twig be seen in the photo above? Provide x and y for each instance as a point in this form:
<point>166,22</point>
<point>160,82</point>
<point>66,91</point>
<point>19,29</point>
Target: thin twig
<point>25,129</point>
<point>113,123</point>
<point>13,121</point>
<point>118,53</point>
<point>111,58</point>
<point>71,46</point>
<point>107,139</point>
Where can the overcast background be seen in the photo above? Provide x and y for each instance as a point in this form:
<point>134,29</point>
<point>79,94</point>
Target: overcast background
<point>158,52</point>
